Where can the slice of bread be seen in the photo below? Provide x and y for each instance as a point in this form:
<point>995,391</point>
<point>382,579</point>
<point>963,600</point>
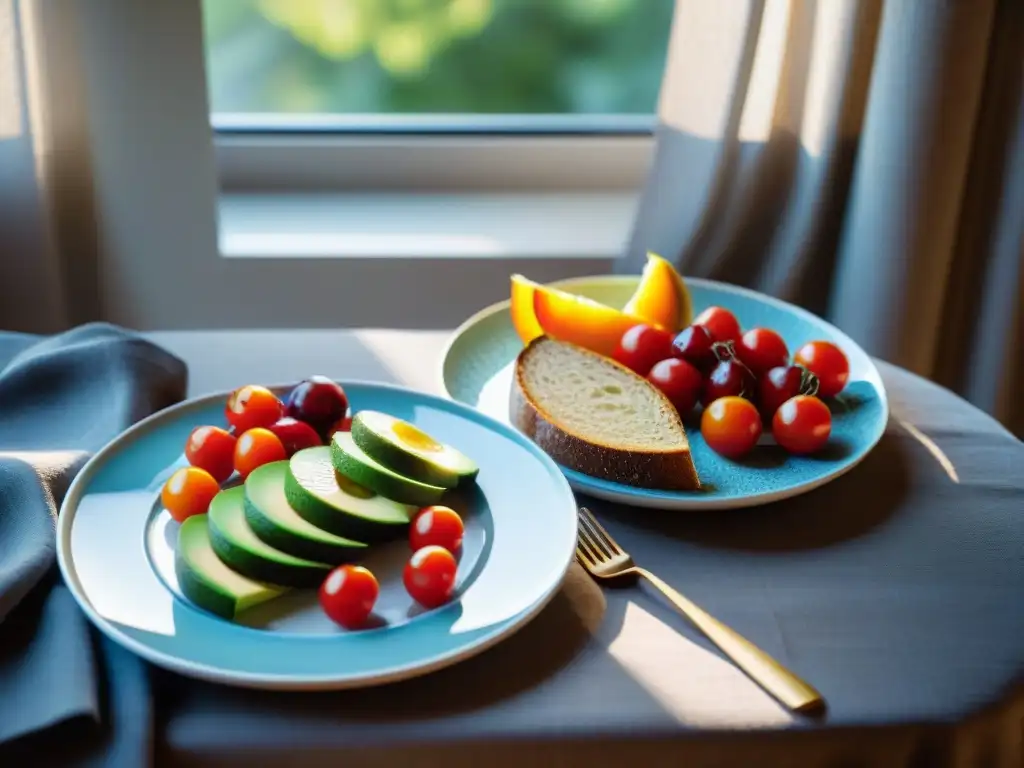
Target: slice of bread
<point>593,415</point>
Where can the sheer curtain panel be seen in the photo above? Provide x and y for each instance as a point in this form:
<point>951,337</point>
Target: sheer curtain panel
<point>864,159</point>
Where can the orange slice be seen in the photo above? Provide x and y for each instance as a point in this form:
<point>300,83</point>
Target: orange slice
<point>661,298</point>
<point>523,318</point>
<point>579,320</point>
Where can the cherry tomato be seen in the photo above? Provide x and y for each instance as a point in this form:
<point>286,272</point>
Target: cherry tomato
<point>642,346</point>
<point>680,382</point>
<point>694,345</point>
<point>731,426</point>
<point>348,595</point>
<point>252,406</point>
<point>802,424</point>
<point>826,361</point>
<point>727,379</point>
<point>212,449</point>
<point>722,324</point>
<point>436,526</point>
<point>761,349</point>
<point>318,401</point>
<point>295,435</point>
<point>188,492</point>
<point>429,576</point>
<point>781,383</point>
<point>343,424</point>
<point>256,447</point>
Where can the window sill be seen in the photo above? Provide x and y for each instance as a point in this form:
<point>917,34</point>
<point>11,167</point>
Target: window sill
<point>565,226</point>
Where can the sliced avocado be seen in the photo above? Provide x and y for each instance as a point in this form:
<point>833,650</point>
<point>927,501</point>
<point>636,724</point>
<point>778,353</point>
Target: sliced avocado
<point>351,461</point>
<point>331,501</point>
<point>274,521</point>
<point>206,581</point>
<point>410,451</point>
<point>244,552</point>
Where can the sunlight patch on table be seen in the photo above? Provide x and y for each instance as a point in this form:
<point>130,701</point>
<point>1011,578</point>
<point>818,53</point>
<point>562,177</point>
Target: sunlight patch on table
<point>694,685</point>
<point>933,448</point>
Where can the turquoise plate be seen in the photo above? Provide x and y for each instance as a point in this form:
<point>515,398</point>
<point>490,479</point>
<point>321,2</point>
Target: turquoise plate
<point>477,365</point>
<point>115,547</point>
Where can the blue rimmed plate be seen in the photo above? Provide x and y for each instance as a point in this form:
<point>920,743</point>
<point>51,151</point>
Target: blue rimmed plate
<point>477,367</point>
<point>115,547</point>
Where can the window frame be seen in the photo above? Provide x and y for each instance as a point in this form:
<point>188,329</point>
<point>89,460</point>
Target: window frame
<point>160,175</point>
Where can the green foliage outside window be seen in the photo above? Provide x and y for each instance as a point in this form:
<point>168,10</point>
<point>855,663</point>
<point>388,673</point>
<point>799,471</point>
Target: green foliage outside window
<point>436,56</point>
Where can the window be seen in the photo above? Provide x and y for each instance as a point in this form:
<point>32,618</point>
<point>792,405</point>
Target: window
<point>358,58</point>
<point>296,162</point>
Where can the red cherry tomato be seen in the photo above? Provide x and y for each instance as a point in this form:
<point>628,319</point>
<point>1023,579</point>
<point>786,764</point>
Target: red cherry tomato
<point>731,426</point>
<point>642,346</point>
<point>826,361</point>
<point>437,526</point>
<point>761,349</point>
<point>680,382</point>
<point>780,384</point>
<point>256,447</point>
<point>728,379</point>
<point>429,576</point>
<point>252,406</point>
<point>802,424</point>
<point>694,345</point>
<point>295,435</point>
<point>348,595</point>
<point>722,324</point>
<point>212,449</point>
<point>188,492</point>
<point>344,424</point>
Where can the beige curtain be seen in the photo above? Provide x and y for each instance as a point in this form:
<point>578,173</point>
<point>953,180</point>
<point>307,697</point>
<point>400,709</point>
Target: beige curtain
<point>863,158</point>
<point>47,229</point>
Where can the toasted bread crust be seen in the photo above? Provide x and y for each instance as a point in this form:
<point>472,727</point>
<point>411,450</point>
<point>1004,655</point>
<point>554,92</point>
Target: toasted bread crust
<point>656,470</point>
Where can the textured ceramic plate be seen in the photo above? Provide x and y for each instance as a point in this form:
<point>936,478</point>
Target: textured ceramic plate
<point>477,369</point>
<point>115,546</point>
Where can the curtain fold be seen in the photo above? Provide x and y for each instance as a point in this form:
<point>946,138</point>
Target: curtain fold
<point>31,293</point>
<point>862,159</point>
<point>48,235</point>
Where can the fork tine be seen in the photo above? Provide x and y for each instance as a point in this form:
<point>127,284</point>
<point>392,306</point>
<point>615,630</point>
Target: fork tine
<point>585,515</point>
<point>585,545</point>
<point>586,531</point>
<point>584,559</point>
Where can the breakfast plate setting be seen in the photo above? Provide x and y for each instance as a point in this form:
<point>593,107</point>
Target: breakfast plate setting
<point>328,534</point>
<point>238,537</point>
<point>685,394</point>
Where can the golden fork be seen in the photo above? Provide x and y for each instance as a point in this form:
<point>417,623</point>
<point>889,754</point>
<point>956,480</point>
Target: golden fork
<point>604,559</point>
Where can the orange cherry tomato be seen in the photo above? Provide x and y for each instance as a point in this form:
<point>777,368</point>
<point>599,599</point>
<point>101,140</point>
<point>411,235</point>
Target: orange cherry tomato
<point>188,492</point>
<point>437,525</point>
<point>348,595</point>
<point>731,426</point>
<point>826,361</point>
<point>256,447</point>
<point>212,449</point>
<point>252,406</point>
<point>802,424</point>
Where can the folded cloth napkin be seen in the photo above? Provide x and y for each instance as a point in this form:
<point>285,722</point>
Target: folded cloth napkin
<point>61,399</point>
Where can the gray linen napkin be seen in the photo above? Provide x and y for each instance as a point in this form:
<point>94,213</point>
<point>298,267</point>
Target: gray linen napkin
<point>61,399</point>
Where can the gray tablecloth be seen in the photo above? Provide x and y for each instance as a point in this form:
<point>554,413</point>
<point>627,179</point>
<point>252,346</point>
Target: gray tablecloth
<point>898,590</point>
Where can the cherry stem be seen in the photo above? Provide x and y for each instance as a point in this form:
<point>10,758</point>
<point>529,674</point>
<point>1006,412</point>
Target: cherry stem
<point>723,350</point>
<point>808,381</point>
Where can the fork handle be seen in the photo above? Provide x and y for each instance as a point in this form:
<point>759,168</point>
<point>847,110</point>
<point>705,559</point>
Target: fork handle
<point>772,676</point>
